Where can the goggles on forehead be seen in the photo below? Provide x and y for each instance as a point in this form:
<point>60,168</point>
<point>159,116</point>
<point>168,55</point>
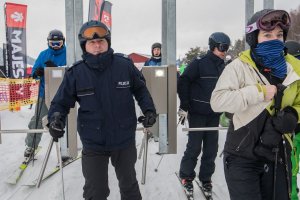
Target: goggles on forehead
<point>95,32</point>
<point>270,20</point>
<point>56,43</point>
<point>223,47</point>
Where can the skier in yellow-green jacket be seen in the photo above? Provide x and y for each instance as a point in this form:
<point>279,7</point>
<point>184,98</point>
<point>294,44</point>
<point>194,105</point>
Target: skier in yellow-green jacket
<point>293,48</point>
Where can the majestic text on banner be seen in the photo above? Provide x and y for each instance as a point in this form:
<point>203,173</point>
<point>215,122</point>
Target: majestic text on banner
<point>15,15</point>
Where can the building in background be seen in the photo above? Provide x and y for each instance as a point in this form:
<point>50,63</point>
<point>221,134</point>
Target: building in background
<point>139,59</point>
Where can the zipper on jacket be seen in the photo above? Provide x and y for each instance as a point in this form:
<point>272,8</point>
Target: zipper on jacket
<point>242,141</point>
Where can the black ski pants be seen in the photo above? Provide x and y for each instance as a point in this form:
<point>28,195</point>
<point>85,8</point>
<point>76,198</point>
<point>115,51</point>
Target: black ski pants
<point>248,180</point>
<point>206,139</point>
<point>95,172</point>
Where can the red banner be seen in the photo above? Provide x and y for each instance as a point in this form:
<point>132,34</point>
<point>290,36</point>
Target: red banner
<point>15,15</point>
<point>15,93</point>
<point>106,14</point>
<point>95,7</point>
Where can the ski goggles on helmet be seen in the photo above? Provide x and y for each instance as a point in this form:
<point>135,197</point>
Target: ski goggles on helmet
<point>95,32</point>
<point>223,47</point>
<point>56,43</point>
<point>270,20</point>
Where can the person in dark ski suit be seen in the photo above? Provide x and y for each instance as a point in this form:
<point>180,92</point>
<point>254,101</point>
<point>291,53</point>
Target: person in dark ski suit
<point>104,84</point>
<point>195,86</point>
<point>53,56</point>
<point>155,59</point>
<point>261,88</point>
<point>293,48</point>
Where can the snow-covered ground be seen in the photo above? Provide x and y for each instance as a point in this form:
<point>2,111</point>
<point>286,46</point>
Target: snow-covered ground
<point>160,185</point>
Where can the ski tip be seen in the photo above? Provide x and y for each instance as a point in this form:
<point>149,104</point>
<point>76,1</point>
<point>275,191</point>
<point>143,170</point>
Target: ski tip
<point>11,182</point>
<point>29,185</point>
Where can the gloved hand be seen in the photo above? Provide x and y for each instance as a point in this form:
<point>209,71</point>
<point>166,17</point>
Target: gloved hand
<point>182,115</point>
<point>285,121</point>
<point>50,63</point>
<point>268,141</point>
<point>39,72</point>
<point>149,119</point>
<point>56,126</point>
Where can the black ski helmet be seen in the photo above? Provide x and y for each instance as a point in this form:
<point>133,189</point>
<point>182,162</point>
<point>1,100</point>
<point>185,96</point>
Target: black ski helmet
<point>218,38</point>
<point>293,47</point>
<point>56,35</point>
<point>89,24</point>
<point>251,38</point>
<point>155,45</point>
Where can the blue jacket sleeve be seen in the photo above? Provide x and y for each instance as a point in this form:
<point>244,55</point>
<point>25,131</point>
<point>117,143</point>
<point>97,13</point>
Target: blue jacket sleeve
<point>38,63</point>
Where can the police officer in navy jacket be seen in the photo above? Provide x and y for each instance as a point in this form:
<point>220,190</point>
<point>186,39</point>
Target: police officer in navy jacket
<point>105,85</point>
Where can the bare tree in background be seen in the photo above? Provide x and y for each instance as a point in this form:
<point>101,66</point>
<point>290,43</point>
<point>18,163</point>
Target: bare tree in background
<point>194,53</point>
<point>238,47</point>
<point>294,31</point>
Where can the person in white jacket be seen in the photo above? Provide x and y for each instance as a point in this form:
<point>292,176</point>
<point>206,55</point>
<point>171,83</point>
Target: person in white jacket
<point>261,89</point>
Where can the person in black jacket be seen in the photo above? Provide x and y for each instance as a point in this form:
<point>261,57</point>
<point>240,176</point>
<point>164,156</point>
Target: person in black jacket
<point>103,84</point>
<point>195,86</point>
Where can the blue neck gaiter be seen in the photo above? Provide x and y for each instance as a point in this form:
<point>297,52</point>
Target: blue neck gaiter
<point>271,55</point>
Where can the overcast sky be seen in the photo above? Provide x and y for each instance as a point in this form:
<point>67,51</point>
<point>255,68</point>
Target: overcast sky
<point>136,24</point>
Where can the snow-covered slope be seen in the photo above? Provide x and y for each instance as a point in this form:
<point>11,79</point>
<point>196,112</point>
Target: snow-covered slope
<point>160,185</point>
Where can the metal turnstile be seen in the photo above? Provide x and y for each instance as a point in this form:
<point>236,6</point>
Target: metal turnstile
<point>53,79</point>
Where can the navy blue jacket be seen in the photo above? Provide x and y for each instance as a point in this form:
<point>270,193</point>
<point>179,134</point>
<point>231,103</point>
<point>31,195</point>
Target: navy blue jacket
<point>197,82</point>
<point>104,87</point>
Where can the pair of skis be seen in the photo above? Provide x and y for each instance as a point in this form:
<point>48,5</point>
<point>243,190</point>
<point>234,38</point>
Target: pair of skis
<point>190,193</point>
<point>53,171</point>
<point>17,174</point>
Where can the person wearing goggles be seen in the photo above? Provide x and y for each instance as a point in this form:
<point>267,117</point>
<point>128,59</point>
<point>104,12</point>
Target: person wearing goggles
<point>260,88</point>
<point>55,44</point>
<point>55,55</point>
<point>195,86</point>
<point>104,84</point>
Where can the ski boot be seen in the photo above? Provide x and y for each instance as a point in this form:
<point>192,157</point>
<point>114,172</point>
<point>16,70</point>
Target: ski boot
<point>28,152</point>
<point>188,186</point>
<point>207,189</point>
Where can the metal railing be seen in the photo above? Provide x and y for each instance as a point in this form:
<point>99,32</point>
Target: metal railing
<point>143,149</point>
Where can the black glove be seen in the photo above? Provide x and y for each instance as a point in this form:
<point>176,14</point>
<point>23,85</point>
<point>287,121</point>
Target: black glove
<point>184,107</point>
<point>268,141</point>
<point>149,119</point>
<point>285,121</point>
<point>56,126</point>
<point>39,72</point>
<point>50,63</point>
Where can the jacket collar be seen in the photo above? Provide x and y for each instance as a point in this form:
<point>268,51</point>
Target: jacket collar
<point>293,66</point>
<point>215,58</point>
<point>100,61</point>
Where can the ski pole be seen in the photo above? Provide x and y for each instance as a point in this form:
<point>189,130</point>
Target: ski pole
<point>156,169</point>
<point>44,163</point>
<point>286,167</point>
<point>275,150</point>
<point>60,167</point>
<point>146,131</point>
<point>142,147</point>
